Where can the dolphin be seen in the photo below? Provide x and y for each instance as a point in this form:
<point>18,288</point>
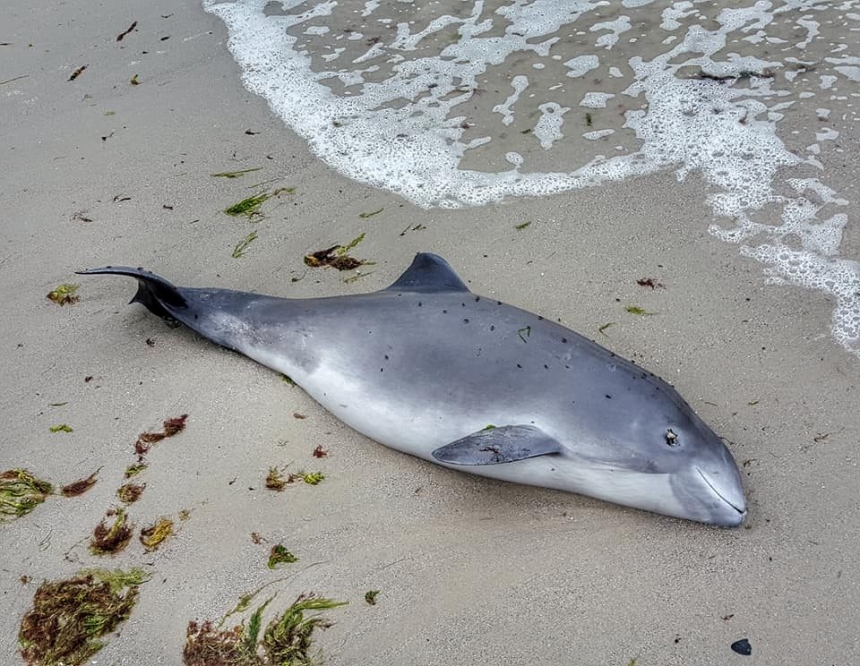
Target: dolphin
<point>429,368</point>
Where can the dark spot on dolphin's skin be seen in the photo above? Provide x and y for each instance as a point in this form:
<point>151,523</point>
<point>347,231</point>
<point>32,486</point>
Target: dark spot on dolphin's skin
<point>444,312</point>
<point>492,328</point>
<point>540,318</point>
<point>519,366</point>
<point>195,316</point>
<point>546,367</point>
<point>498,302</point>
<point>465,321</point>
<point>381,369</point>
<point>386,357</point>
<point>608,397</point>
<point>567,367</point>
<point>564,340</point>
<point>477,299</point>
<point>463,304</point>
<point>419,304</point>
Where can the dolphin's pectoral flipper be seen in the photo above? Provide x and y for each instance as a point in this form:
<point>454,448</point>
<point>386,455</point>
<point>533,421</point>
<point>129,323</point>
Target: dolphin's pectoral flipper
<point>493,446</point>
<point>153,291</point>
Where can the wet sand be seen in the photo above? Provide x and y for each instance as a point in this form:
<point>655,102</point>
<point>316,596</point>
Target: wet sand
<point>470,571</point>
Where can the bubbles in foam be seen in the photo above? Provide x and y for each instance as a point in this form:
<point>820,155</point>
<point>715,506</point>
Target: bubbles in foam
<point>387,101</point>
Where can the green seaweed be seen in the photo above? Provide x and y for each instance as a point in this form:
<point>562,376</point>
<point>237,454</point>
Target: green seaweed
<point>343,249</point>
<point>370,597</point>
<point>287,380</point>
<point>280,555</point>
<point>70,617</point>
<point>286,641</point>
<point>255,623</point>
<point>605,326</point>
<point>242,245</point>
<point>235,174</point>
<point>64,294</point>
<point>152,536</point>
<point>62,427</point>
<point>248,206</point>
<point>311,478</point>
<point>636,310</point>
<point>364,216</point>
<point>20,493</point>
<point>522,226</point>
<point>489,427</point>
<point>134,470</point>
<point>527,330</point>
<point>588,120</point>
<point>251,206</point>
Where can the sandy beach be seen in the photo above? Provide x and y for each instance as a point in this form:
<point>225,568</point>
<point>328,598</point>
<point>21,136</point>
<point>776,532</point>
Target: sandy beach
<point>100,171</point>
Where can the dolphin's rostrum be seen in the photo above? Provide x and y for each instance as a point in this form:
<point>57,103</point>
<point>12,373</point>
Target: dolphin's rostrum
<point>429,368</point>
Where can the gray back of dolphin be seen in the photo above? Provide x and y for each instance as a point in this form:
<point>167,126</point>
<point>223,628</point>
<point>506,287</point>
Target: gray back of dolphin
<point>429,368</point>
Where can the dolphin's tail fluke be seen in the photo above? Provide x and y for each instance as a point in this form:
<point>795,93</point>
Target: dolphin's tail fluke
<point>157,294</point>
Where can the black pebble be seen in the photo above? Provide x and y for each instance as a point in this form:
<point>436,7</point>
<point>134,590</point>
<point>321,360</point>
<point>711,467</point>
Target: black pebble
<point>742,647</point>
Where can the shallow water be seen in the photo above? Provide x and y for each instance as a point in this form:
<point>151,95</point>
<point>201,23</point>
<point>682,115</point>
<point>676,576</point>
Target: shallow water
<point>461,103</point>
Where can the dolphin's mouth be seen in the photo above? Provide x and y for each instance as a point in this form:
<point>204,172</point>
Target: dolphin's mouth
<point>718,494</point>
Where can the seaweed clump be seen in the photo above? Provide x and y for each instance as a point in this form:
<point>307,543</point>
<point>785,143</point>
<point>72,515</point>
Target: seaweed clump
<point>20,493</point>
<point>311,478</point>
<point>280,555</point>
<point>337,256</point>
<point>170,427</point>
<point>69,617</point>
<point>286,641</point>
<point>110,540</point>
<point>64,294</point>
<point>152,536</point>
<point>129,493</point>
<point>329,257</point>
<point>274,480</point>
<point>80,486</point>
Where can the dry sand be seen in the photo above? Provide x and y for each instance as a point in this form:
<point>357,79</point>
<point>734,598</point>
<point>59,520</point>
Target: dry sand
<point>470,571</point>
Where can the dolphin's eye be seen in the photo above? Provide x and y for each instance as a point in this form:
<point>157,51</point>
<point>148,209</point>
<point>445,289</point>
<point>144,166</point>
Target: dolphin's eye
<point>671,438</point>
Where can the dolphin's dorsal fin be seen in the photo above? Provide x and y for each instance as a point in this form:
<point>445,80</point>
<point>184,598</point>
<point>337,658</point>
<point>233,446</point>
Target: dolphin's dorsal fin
<point>428,273</point>
<point>494,446</point>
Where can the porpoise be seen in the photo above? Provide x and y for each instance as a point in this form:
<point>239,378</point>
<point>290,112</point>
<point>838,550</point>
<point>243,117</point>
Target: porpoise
<point>429,368</point>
